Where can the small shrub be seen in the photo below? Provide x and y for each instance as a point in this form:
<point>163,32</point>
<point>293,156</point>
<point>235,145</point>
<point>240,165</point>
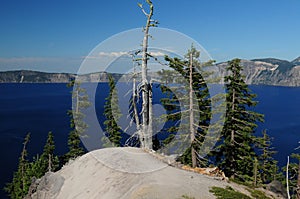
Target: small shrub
<point>258,194</point>
<point>227,193</point>
<point>245,183</point>
<point>187,197</point>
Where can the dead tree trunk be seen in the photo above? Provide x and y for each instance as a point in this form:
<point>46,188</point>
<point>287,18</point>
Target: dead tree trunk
<point>146,87</point>
<point>135,109</point>
<point>150,125</point>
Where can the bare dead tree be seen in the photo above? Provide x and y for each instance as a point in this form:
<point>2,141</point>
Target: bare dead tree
<point>131,141</point>
<point>146,127</point>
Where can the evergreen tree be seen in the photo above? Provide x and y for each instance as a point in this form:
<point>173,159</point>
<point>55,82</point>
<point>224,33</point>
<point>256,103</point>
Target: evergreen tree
<point>74,145</point>
<point>36,168</point>
<point>268,165</point>
<point>112,114</point>
<point>27,171</point>
<point>21,181</point>
<point>77,124</point>
<point>235,154</point>
<point>49,162</point>
<point>194,92</point>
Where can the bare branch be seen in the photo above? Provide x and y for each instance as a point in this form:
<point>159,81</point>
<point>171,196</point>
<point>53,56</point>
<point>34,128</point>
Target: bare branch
<point>143,10</point>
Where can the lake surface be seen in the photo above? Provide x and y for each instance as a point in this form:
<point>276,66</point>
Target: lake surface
<point>40,108</point>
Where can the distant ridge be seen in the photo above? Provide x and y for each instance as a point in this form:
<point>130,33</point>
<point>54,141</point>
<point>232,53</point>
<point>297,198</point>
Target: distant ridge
<point>28,76</point>
<point>283,65</point>
<point>296,61</point>
<point>266,71</point>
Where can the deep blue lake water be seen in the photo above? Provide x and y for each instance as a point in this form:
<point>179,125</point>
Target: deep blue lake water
<point>40,108</point>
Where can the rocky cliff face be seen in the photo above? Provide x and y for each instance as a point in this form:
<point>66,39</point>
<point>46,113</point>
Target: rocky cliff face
<point>269,72</point>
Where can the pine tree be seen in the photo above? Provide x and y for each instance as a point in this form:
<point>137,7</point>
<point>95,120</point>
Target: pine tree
<point>27,171</point>
<point>36,168</point>
<point>268,165</point>
<point>74,145</point>
<point>236,154</point>
<point>112,114</point>
<point>49,162</point>
<point>21,181</point>
<point>77,124</point>
<point>197,113</point>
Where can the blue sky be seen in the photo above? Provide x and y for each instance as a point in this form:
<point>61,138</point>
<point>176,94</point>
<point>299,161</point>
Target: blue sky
<point>56,35</point>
